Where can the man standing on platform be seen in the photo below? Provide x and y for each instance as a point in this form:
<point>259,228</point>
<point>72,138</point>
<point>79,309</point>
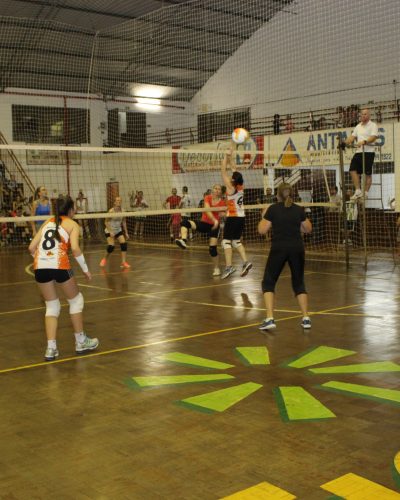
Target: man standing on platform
<point>365,133</point>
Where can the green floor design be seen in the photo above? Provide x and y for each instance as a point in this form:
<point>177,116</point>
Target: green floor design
<point>297,404</point>
<point>396,469</point>
<point>253,355</point>
<point>377,367</point>
<point>163,380</point>
<point>365,391</point>
<point>187,359</point>
<point>318,355</point>
<point>221,400</point>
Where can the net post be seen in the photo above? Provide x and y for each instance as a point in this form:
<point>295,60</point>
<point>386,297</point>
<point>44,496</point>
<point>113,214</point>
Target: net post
<point>364,227</point>
<point>344,207</point>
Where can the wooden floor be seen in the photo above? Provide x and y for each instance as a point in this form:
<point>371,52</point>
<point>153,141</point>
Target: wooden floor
<point>88,428</point>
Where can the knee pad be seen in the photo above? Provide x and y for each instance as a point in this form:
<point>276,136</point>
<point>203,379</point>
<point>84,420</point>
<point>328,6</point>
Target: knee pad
<point>110,248</point>
<point>226,244</point>
<point>186,223</point>
<point>213,250</point>
<point>124,246</point>
<point>236,243</point>
<point>76,304</point>
<point>53,308</point>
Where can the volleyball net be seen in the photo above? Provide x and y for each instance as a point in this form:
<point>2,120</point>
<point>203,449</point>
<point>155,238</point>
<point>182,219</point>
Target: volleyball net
<point>159,187</point>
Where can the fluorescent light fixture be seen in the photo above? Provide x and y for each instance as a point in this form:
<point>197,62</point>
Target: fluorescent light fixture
<point>142,90</point>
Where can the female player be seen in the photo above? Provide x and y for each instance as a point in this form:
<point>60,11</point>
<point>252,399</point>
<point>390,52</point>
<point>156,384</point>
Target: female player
<point>209,224</point>
<point>40,206</point>
<point>287,221</point>
<point>235,219</point>
<point>116,229</point>
<point>81,206</point>
<point>51,264</point>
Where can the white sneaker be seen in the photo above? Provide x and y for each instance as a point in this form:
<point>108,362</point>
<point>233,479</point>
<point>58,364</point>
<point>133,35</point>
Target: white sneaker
<point>357,194</point>
<point>181,243</point>
<point>217,272</point>
<point>51,354</point>
<point>87,345</point>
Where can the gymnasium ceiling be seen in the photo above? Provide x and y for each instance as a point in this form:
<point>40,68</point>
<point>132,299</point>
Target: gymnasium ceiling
<point>107,47</point>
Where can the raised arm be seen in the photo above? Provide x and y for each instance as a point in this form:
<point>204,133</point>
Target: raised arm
<point>227,161</point>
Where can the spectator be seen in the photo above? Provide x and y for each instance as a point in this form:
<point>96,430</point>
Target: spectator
<point>379,114</point>
<point>139,203</point>
<point>276,124</point>
<point>289,124</point>
<point>174,223</point>
<point>339,118</point>
<point>335,198</point>
<point>82,207</point>
<point>267,198</point>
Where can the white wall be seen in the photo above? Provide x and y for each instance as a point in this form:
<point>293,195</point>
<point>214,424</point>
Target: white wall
<point>325,46</point>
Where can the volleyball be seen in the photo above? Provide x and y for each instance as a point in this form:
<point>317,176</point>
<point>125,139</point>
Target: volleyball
<point>240,135</point>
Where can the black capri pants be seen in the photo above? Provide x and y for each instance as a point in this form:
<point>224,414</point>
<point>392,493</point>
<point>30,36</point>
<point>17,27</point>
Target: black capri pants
<point>277,259</point>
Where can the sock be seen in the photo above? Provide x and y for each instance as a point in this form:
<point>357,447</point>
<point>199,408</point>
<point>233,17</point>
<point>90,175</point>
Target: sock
<point>269,319</point>
<point>52,344</point>
<point>306,317</point>
<point>80,337</point>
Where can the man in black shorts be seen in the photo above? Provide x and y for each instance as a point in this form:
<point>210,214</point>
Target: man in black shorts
<point>365,133</point>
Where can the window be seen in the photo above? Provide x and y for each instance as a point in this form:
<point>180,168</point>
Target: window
<point>45,125</point>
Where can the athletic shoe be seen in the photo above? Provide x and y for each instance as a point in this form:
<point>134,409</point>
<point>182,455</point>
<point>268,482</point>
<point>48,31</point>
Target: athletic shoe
<point>227,272</point>
<point>103,262</point>
<point>125,265</point>
<point>267,324</point>
<point>51,354</point>
<point>357,194</point>
<point>217,272</point>
<point>246,268</point>
<point>181,243</point>
<point>87,345</point>
<point>306,323</point>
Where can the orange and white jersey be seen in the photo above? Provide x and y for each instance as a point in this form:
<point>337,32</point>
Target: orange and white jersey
<point>235,203</point>
<point>51,253</point>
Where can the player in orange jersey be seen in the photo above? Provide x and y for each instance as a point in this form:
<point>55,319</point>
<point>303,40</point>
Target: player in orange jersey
<point>49,249</point>
<point>209,224</point>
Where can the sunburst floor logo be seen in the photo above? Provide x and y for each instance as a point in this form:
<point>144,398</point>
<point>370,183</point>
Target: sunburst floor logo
<point>294,402</point>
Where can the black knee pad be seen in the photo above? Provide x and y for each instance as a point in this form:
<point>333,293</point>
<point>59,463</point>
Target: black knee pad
<point>213,250</point>
<point>186,223</point>
<point>110,248</point>
<point>124,246</point>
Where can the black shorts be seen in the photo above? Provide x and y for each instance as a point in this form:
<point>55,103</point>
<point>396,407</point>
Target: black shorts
<point>356,164</point>
<point>205,227</point>
<point>234,227</point>
<point>120,233</point>
<point>58,275</point>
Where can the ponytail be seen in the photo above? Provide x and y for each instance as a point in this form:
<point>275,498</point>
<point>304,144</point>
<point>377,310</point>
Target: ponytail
<point>64,204</point>
<point>285,194</point>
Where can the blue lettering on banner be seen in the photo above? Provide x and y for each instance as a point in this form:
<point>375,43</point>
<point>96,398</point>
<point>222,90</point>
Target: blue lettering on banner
<point>381,137</point>
<point>322,141</point>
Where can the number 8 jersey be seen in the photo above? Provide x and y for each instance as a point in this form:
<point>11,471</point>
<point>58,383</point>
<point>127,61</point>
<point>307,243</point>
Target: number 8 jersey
<point>51,253</point>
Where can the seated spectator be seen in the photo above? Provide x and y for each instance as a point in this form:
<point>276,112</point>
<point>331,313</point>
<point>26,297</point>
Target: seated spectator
<point>335,198</point>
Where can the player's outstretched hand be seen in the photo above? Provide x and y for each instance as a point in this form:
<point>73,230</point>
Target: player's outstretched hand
<point>216,224</point>
<point>88,275</point>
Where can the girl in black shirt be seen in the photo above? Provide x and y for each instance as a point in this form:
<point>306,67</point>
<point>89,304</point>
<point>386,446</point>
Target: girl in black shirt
<point>287,221</point>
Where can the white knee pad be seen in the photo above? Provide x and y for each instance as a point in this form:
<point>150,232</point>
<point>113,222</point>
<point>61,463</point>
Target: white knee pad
<point>53,308</point>
<point>226,244</point>
<point>236,243</point>
<point>76,304</point>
